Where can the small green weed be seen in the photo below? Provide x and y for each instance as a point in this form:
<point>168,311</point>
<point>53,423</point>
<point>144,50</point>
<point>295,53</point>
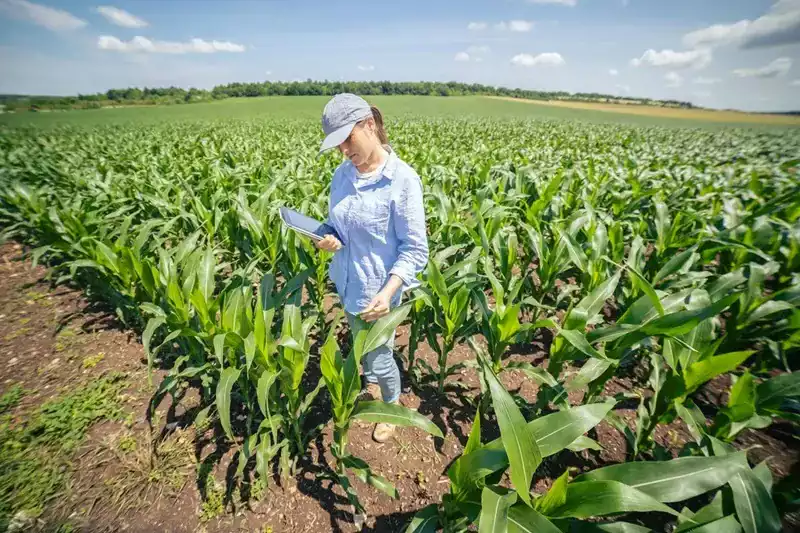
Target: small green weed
<point>17,333</point>
<point>36,453</point>
<point>93,360</point>
<point>214,503</point>
<point>11,398</point>
<point>35,295</point>
<point>127,444</point>
<point>257,489</point>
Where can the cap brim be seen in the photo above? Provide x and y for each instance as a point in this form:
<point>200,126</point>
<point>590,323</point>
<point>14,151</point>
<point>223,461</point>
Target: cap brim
<point>336,137</point>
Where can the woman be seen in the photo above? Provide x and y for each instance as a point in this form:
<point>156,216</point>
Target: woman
<point>376,208</point>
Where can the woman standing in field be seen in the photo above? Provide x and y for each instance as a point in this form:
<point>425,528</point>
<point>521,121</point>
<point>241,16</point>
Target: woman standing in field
<point>376,208</point>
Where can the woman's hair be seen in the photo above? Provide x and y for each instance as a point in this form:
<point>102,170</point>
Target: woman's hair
<point>380,130</point>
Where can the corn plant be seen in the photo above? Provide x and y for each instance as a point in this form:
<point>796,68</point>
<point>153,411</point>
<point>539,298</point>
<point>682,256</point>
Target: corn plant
<point>755,405</point>
<point>447,297</point>
<point>341,377</point>
<point>500,324</point>
<point>475,498</point>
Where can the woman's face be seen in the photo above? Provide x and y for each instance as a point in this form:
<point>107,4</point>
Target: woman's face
<point>361,143</point>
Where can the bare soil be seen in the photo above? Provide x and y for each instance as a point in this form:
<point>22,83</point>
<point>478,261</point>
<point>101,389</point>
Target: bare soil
<point>52,338</point>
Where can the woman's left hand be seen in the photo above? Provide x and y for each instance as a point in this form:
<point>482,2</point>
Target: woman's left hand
<point>377,308</point>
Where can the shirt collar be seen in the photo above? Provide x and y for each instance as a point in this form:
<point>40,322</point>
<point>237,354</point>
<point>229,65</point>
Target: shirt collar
<point>388,172</point>
<point>391,163</point>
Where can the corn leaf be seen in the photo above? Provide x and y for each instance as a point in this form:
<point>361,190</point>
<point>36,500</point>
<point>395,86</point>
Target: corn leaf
<point>523,453</point>
<point>495,502</point>
<point>382,412</point>
<point>227,378</point>
<point>671,481</point>
<point>754,506</point>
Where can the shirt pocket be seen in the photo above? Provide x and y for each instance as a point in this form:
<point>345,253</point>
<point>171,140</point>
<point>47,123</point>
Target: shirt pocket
<point>376,219</point>
<point>373,214</point>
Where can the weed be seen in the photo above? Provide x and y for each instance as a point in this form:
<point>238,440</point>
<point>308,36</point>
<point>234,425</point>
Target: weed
<point>36,454</point>
<point>126,444</point>
<point>17,333</point>
<point>35,295</point>
<point>11,398</point>
<point>142,475</point>
<point>257,489</point>
<point>214,504</point>
<point>92,360</point>
<point>65,338</point>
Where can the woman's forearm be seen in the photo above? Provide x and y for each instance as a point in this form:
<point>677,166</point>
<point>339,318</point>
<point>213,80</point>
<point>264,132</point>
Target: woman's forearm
<point>393,284</point>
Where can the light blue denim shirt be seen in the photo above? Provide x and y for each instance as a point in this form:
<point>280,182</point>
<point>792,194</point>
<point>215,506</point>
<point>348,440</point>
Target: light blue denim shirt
<point>381,221</point>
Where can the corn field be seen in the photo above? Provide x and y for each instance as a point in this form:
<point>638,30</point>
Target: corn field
<point>672,251</point>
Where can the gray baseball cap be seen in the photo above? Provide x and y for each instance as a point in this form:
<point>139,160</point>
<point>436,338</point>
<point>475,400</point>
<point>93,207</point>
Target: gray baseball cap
<point>340,115</point>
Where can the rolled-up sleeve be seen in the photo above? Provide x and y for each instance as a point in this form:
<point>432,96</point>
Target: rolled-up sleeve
<point>410,230</point>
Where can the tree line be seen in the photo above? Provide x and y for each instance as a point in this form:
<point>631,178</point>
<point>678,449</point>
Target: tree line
<point>178,95</point>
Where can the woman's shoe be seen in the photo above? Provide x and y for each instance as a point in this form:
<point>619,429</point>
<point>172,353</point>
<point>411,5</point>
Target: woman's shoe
<point>372,392</point>
<point>384,431</point>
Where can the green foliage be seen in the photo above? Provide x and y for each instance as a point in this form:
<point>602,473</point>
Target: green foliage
<point>11,398</point>
<point>672,252</point>
<point>36,453</point>
<point>176,95</point>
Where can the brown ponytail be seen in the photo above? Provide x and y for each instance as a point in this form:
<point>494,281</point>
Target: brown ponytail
<point>380,130</point>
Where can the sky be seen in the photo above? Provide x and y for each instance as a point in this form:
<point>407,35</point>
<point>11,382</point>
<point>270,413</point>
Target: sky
<point>742,54</point>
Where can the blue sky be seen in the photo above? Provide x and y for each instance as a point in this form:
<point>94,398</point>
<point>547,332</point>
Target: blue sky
<point>718,53</point>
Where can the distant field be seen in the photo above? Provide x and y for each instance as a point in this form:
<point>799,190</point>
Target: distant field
<point>310,107</point>
<point>706,115</point>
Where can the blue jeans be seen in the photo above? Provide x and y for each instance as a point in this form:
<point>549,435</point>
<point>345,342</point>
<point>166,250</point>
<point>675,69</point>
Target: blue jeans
<point>381,368</point>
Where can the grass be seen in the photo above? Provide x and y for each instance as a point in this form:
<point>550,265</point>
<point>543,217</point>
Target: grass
<point>143,472</point>
<point>310,107</point>
<point>11,398</point>
<point>36,450</point>
<point>214,503</point>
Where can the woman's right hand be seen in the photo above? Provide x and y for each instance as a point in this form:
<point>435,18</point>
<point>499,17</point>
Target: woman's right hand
<point>329,244</point>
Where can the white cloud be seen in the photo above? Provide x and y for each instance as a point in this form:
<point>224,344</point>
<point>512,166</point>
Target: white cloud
<point>548,58</point>
<point>268,73</point>
<point>145,45</point>
<point>366,68</point>
<point>700,80</point>
<point>613,72</point>
<point>570,3</point>
<point>520,26</point>
<point>476,26</point>
<point>50,18</point>
<point>623,88</point>
<point>795,83</point>
<point>674,80</point>
<point>121,18</point>
<point>672,59</point>
<point>702,94</point>
<point>473,53</point>
<point>778,26</point>
<point>779,67</point>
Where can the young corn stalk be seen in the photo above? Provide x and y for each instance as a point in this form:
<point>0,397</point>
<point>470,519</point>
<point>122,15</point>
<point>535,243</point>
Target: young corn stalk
<point>754,405</point>
<point>500,324</point>
<point>447,299</point>
<point>343,381</point>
